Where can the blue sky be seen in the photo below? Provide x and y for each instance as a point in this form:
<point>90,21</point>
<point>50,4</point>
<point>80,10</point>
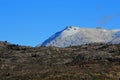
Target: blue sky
<point>29,22</point>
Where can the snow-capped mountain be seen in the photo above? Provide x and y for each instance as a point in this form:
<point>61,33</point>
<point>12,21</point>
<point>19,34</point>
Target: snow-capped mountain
<point>73,36</point>
<point>116,38</point>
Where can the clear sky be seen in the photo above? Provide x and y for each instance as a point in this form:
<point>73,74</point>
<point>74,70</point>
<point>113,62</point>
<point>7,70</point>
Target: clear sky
<point>29,22</point>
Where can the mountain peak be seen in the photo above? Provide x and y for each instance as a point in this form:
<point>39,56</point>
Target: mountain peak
<point>72,28</point>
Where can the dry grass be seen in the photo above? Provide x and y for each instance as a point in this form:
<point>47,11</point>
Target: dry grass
<point>87,62</point>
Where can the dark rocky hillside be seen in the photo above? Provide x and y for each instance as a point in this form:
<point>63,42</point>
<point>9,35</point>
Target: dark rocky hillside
<point>87,62</point>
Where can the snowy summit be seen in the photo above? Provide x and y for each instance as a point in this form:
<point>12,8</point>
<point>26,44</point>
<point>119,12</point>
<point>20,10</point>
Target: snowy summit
<point>74,36</point>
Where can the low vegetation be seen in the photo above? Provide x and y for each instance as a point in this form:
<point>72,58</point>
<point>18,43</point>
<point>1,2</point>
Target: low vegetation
<point>87,62</point>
